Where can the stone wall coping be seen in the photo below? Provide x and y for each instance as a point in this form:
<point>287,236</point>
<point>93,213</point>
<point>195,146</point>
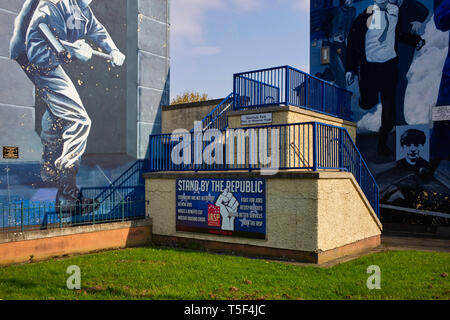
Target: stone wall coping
<point>191,105</point>
<point>57,232</point>
<point>285,174</point>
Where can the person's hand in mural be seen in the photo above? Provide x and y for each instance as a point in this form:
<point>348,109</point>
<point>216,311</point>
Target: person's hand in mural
<point>228,205</point>
<point>350,78</point>
<point>81,50</point>
<point>118,58</point>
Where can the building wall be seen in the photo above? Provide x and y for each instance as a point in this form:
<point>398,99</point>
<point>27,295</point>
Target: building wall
<point>286,115</point>
<point>153,78</point>
<point>17,96</point>
<point>183,116</point>
<point>343,213</point>
<point>301,209</point>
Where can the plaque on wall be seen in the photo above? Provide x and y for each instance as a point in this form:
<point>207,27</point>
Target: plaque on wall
<point>10,152</point>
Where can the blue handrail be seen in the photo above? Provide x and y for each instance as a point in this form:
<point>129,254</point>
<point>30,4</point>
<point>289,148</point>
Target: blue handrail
<point>291,87</point>
<point>311,146</point>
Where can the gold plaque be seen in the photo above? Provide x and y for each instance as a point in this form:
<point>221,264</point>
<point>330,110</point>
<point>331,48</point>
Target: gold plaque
<point>11,152</point>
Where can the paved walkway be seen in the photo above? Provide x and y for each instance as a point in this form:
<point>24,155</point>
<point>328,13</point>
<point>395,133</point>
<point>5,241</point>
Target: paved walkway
<point>407,241</point>
<point>394,241</point>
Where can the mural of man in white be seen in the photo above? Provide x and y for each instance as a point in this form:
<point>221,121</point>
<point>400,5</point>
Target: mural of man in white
<point>66,124</point>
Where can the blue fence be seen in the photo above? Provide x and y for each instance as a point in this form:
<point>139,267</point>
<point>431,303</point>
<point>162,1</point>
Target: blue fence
<point>123,200</point>
<point>289,86</point>
<point>27,216</point>
<point>309,146</point>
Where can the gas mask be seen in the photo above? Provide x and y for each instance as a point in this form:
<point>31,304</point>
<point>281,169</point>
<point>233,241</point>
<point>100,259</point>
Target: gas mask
<point>84,3</point>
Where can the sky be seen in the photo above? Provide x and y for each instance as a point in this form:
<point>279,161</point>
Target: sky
<point>213,39</point>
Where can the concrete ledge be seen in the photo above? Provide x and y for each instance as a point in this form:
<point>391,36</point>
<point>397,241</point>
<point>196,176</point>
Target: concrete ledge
<point>349,249</point>
<point>285,174</point>
<point>50,233</point>
<point>192,104</point>
<point>266,252</point>
<point>294,109</point>
<point>40,245</point>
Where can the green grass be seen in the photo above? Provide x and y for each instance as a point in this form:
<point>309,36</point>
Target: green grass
<point>161,273</point>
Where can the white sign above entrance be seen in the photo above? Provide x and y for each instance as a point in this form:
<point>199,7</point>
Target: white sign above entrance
<point>259,118</point>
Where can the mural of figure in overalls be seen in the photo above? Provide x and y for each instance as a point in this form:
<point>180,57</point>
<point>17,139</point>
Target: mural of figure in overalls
<point>65,124</point>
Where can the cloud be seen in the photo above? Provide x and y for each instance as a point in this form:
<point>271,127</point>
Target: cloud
<point>302,5</point>
<point>188,18</point>
<point>205,50</point>
<point>247,5</point>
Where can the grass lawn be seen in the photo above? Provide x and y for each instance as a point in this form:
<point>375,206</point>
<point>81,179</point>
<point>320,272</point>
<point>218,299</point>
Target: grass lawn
<point>161,273</point>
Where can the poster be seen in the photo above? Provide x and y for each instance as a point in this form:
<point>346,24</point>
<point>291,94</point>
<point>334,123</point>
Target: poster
<point>227,207</point>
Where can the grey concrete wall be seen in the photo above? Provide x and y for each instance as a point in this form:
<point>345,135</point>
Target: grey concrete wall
<point>17,97</point>
<point>153,67</point>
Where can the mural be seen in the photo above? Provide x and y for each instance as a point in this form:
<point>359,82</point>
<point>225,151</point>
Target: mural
<point>54,33</point>
<point>393,56</point>
<point>78,108</point>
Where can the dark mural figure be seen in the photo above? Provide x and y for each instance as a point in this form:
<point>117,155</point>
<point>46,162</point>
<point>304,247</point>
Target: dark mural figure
<point>65,124</point>
<point>440,136</point>
<point>412,14</point>
<point>372,56</point>
<point>343,17</point>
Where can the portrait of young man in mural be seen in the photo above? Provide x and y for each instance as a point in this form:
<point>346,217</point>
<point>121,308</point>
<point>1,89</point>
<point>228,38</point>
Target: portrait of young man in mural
<point>412,141</point>
<point>40,28</point>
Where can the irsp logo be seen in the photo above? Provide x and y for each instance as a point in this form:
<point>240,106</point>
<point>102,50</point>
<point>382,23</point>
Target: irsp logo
<point>213,216</point>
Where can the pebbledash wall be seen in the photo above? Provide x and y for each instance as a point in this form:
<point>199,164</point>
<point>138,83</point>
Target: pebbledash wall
<point>310,216</point>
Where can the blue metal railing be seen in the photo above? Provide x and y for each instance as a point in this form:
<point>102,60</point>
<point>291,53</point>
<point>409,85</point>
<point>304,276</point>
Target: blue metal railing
<point>30,215</point>
<point>289,86</point>
<point>306,146</point>
<point>218,117</point>
<point>123,200</point>
<point>130,180</point>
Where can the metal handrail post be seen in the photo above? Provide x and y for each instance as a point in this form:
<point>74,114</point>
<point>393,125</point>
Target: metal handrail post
<point>315,166</point>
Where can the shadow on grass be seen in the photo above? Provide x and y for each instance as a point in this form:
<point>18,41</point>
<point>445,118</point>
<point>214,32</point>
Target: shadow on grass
<point>18,284</point>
